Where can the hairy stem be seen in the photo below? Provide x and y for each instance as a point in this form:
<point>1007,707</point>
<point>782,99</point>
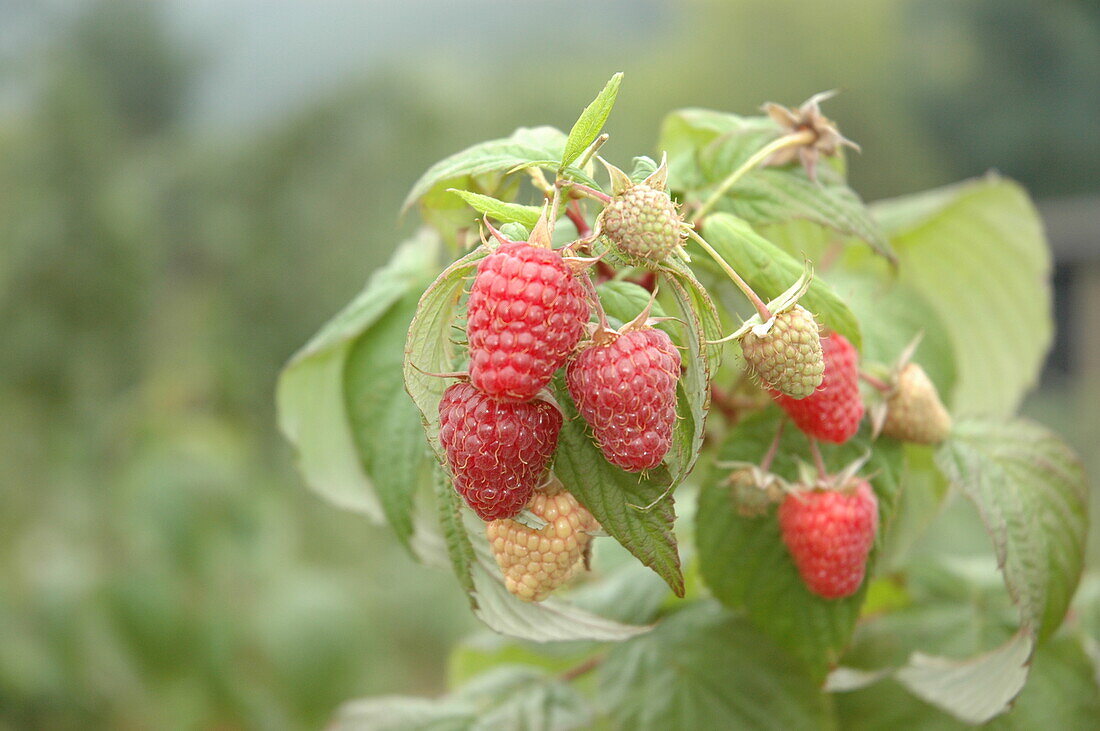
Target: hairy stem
<point>769,456</point>
<point>794,139</point>
<point>573,210</point>
<point>586,191</point>
<point>758,303</point>
<point>819,461</point>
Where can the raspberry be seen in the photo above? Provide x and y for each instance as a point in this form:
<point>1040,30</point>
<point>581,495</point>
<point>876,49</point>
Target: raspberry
<point>626,390</point>
<point>832,413</point>
<point>535,562</point>
<point>829,534</point>
<point>498,451</point>
<point>643,222</point>
<point>914,410</point>
<point>788,357</point>
<point>526,314</point>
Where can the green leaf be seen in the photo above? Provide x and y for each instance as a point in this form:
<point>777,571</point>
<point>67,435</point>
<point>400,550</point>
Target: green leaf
<point>703,668</point>
<point>496,156</point>
<point>313,411</point>
<point>500,210</point>
<point>1030,491</point>
<point>705,147</point>
<point>520,697</point>
<point>977,253</point>
<point>770,271</point>
<point>973,690</point>
<point>700,325</point>
<point>506,697</point>
<point>404,713</point>
<point>587,127</point>
<point>610,494</point>
<point>623,301</point>
<point>745,563</point>
<point>429,347</point>
<point>890,314</point>
<point>385,424</point>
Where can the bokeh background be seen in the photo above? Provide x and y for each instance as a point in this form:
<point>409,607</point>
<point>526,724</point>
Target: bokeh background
<point>188,189</point>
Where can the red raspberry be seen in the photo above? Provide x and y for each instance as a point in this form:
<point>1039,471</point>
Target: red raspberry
<point>526,314</point>
<point>829,534</point>
<point>832,412</point>
<point>626,389</point>
<point>498,451</point>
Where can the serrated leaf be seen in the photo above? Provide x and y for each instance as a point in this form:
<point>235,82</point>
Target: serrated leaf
<point>766,196</point>
<point>506,697</point>
<point>404,713</point>
<point>745,563</point>
<point>973,690</point>
<point>1030,491</point>
<point>610,493</point>
<point>495,156</point>
<point>310,397</point>
<point>385,424</point>
<point>977,253</point>
<point>429,347</point>
<point>587,127</point>
<point>501,210</point>
<point>705,147</point>
<point>769,271</point>
<point>700,325</point>
<point>704,668</point>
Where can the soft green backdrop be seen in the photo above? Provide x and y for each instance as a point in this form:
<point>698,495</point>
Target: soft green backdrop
<point>169,236</point>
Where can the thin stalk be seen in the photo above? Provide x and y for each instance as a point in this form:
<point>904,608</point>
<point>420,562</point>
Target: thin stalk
<point>583,668</point>
<point>794,139</point>
<point>758,303</point>
<point>769,456</point>
<point>573,210</point>
<point>590,288</point>
<point>819,461</point>
<point>586,191</point>
<point>878,384</point>
<point>592,150</point>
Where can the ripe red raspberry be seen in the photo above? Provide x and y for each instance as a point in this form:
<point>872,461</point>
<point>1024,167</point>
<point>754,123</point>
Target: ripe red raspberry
<point>498,451</point>
<point>832,412</point>
<point>829,534</point>
<point>625,387</point>
<point>526,314</point>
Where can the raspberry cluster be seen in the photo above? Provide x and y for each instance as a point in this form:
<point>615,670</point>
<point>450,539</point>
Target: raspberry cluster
<point>525,316</point>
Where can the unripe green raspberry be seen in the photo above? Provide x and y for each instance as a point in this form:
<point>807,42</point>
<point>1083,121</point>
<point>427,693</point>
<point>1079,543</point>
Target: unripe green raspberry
<point>914,412</point>
<point>642,221</point>
<point>753,491</point>
<point>788,357</point>
<point>536,562</point>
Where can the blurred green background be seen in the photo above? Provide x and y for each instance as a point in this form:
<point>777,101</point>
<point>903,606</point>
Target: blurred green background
<point>189,189</point>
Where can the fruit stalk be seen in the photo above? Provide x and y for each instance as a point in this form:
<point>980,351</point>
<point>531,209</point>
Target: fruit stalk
<point>796,139</point>
<point>765,313</point>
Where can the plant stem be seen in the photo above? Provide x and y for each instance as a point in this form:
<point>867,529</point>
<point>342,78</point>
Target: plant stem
<point>573,210</point>
<point>879,385</point>
<point>590,288</point>
<point>819,461</point>
<point>582,668</point>
<point>769,457</point>
<point>586,191</point>
<point>592,150</point>
<point>794,139</point>
<point>758,303</point>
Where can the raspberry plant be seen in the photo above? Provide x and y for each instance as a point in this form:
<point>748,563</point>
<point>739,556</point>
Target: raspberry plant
<point>706,559</point>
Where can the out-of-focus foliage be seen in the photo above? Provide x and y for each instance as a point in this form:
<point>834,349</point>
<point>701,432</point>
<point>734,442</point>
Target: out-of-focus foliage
<point>160,563</point>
